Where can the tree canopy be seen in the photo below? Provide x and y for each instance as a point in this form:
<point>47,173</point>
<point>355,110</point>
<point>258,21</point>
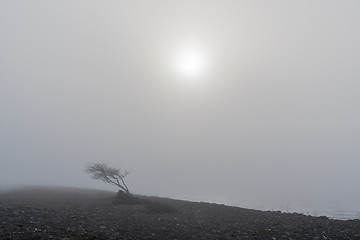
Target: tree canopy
<point>114,176</point>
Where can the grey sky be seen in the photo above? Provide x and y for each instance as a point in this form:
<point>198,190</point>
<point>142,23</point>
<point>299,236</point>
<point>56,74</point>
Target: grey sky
<point>276,116</point>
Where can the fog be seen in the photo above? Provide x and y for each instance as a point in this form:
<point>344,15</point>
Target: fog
<point>275,118</point>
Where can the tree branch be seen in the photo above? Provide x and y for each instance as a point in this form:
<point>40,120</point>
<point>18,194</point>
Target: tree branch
<point>107,174</point>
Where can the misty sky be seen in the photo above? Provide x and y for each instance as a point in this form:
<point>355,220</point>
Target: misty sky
<point>275,115</point>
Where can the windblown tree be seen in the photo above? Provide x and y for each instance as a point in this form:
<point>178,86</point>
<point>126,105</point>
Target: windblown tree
<point>114,176</point>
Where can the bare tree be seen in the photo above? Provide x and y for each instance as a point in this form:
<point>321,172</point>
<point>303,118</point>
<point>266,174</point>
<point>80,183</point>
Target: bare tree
<point>108,174</point>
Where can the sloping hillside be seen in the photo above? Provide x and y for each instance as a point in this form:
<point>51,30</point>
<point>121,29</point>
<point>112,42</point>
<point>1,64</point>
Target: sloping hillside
<point>69,213</point>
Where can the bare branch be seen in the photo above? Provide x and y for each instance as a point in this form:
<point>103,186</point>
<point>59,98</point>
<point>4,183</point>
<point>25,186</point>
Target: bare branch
<point>103,172</point>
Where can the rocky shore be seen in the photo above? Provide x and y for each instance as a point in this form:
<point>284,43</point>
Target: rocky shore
<point>68,214</point>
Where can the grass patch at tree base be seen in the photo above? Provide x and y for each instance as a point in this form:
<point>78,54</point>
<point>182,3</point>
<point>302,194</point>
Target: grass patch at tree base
<point>151,206</point>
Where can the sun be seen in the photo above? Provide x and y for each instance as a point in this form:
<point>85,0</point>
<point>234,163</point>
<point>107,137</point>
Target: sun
<point>190,63</point>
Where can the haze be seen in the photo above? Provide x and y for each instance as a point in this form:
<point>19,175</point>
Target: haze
<point>274,118</point>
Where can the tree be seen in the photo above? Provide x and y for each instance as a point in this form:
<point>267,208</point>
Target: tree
<point>108,174</point>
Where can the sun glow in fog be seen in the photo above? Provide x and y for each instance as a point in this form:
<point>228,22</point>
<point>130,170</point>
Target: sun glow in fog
<point>190,63</point>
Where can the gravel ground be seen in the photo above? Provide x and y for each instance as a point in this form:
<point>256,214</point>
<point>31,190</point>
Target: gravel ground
<point>89,214</point>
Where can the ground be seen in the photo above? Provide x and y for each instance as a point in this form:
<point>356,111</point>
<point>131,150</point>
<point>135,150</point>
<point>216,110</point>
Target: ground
<point>64,213</point>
